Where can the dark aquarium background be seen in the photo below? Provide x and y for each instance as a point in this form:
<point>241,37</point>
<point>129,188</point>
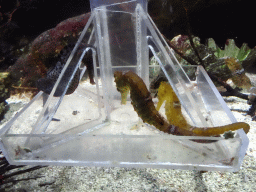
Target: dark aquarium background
<point>22,21</point>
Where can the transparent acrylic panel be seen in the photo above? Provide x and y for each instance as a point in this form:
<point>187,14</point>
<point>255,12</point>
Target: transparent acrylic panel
<point>91,127</point>
<point>127,151</point>
<point>122,3</point>
<point>121,35</point>
<point>73,64</point>
<point>217,110</point>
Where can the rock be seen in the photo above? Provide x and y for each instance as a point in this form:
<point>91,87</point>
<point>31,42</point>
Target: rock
<point>252,95</point>
<point>250,62</point>
<point>5,83</point>
<point>34,65</point>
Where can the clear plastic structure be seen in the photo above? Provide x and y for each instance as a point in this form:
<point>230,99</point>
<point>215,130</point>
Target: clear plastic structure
<point>91,128</point>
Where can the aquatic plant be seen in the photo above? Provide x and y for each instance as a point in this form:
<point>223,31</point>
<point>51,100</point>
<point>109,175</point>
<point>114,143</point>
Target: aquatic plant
<point>230,49</point>
<point>233,58</point>
<point>224,64</point>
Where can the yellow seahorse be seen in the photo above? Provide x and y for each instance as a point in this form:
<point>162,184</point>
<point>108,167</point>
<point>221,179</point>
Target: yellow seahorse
<point>145,108</point>
<point>175,116</point>
<point>140,98</point>
<point>172,105</point>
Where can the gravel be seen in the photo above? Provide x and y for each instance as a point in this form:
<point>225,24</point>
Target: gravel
<point>67,178</point>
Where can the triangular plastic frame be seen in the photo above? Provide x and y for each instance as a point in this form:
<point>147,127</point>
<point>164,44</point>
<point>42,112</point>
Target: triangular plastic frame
<point>91,128</point>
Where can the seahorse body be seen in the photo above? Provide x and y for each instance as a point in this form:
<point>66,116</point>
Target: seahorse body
<point>141,99</point>
<point>175,116</point>
<point>145,108</point>
<point>210,131</point>
<point>172,105</point>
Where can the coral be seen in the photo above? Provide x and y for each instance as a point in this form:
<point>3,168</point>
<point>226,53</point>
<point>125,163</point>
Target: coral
<point>230,50</point>
<point>238,74</point>
<point>182,44</point>
<point>220,69</point>
<point>224,64</point>
<point>233,57</point>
